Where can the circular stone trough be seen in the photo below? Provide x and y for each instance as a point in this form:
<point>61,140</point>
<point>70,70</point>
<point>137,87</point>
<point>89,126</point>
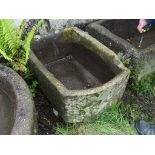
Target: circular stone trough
<point>17,112</point>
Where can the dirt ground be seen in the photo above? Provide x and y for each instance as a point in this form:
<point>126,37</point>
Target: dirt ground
<point>142,105</point>
<point>46,118</point>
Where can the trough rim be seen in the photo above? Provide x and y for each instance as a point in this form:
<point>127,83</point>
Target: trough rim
<point>125,72</point>
<point>120,40</point>
<point>24,123</point>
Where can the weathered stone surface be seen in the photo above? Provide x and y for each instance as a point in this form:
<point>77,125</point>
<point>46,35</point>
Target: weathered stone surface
<point>109,33</point>
<point>19,94</point>
<point>60,24</point>
<point>77,105</point>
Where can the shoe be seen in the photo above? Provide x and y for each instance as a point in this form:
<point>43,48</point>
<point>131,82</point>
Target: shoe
<point>145,128</point>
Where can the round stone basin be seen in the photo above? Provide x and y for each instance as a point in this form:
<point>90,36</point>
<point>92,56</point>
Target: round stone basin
<point>17,115</point>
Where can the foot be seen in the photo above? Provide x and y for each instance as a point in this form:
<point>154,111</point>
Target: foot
<point>145,128</point>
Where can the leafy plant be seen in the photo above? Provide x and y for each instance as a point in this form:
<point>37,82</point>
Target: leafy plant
<point>12,47</point>
<point>147,83</point>
<point>31,81</point>
<point>33,87</point>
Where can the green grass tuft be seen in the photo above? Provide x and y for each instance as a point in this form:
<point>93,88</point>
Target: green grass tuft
<point>111,122</point>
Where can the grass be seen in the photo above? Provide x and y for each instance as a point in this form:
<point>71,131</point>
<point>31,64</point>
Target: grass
<point>111,122</point>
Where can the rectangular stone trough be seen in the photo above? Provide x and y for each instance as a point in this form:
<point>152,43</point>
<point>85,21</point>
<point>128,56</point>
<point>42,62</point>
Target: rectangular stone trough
<point>79,75</point>
<point>122,36</point>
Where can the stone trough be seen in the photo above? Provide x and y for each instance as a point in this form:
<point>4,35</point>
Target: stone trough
<point>79,75</point>
<point>123,37</point>
<point>17,115</point>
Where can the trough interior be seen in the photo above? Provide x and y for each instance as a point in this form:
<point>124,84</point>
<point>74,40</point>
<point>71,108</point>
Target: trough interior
<point>127,29</point>
<point>7,109</point>
<point>74,65</point>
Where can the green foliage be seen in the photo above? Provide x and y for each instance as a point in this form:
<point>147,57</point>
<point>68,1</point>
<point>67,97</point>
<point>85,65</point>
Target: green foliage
<point>15,49</point>
<point>147,83</point>
<point>131,110</point>
<point>31,81</point>
<point>9,40</point>
<point>12,47</point>
<point>5,55</point>
<point>22,28</point>
<point>33,87</point>
<point>28,40</point>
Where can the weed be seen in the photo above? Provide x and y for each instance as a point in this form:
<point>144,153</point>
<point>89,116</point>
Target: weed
<point>33,87</point>
<point>31,81</point>
<point>147,83</point>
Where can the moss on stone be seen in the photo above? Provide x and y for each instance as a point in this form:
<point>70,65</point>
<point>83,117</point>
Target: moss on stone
<point>72,34</point>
